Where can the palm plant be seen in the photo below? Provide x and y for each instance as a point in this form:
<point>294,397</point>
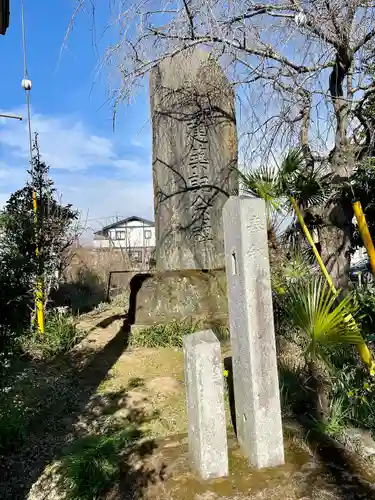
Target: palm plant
<point>263,182</point>
<point>309,185</point>
<point>316,312</point>
<point>297,187</point>
<point>293,178</point>
<point>297,266</point>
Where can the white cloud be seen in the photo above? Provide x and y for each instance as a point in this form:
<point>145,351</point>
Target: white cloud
<point>117,185</point>
<point>139,142</point>
<point>65,142</point>
<point>130,165</point>
<point>107,197</point>
<point>100,202</point>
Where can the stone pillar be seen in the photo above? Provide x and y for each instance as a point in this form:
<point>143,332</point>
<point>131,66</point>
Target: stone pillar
<point>194,155</point>
<point>255,376</point>
<point>205,405</point>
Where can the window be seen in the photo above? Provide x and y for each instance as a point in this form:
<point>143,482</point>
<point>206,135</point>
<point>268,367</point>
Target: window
<point>120,235</point>
<point>148,234</point>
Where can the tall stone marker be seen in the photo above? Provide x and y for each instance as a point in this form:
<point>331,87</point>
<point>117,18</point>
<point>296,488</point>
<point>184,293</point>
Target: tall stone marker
<point>255,376</point>
<point>205,404</point>
<point>194,155</point>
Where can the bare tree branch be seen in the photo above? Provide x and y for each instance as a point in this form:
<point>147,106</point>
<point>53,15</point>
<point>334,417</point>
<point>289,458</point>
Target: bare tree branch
<point>369,36</point>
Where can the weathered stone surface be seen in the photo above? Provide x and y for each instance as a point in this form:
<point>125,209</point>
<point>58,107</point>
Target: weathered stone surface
<point>162,297</point>
<point>303,477</point>
<point>205,405</point>
<point>194,152</point>
<point>360,441</point>
<point>255,377</point>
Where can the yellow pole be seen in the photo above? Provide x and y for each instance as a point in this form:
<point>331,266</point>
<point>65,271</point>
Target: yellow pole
<point>313,246</point>
<point>39,302</point>
<point>363,350</point>
<point>365,233</point>
<point>26,85</point>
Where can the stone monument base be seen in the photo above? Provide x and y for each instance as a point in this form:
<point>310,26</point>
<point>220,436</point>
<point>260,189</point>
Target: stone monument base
<point>183,295</point>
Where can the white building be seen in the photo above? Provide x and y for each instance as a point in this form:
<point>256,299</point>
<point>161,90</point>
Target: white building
<point>134,235</point>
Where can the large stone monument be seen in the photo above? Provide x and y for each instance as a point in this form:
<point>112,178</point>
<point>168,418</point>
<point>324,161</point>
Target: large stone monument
<point>194,171</point>
<point>194,156</point>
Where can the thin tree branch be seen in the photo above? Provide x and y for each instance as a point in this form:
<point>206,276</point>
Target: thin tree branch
<point>364,40</point>
<point>190,18</point>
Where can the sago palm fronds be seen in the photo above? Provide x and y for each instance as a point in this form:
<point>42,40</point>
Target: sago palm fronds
<point>308,185</point>
<point>263,182</point>
<point>275,185</point>
<point>316,311</point>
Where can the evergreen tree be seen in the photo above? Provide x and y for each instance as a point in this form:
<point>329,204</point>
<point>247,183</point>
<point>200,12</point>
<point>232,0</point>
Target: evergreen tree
<point>32,245</point>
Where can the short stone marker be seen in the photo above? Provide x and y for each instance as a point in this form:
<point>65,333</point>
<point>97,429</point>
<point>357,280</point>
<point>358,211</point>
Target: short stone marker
<point>255,376</point>
<point>205,404</point>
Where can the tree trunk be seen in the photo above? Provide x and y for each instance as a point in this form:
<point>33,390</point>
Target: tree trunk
<point>335,237</point>
<point>335,240</point>
<point>320,397</point>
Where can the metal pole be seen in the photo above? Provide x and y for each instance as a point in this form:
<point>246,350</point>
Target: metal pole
<point>365,233</point>
<point>363,350</point>
<point>15,117</point>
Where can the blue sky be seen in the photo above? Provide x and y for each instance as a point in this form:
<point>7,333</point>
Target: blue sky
<point>103,173</point>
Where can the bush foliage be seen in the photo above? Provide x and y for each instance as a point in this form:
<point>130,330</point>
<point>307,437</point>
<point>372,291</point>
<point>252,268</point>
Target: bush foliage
<point>61,334</point>
<point>92,465</point>
<point>171,334</point>
<point>22,234</point>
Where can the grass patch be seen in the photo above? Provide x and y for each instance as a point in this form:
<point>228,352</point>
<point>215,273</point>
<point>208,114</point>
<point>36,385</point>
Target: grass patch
<point>61,334</point>
<point>336,421</point>
<point>92,465</point>
<point>13,424</point>
<point>168,335</point>
<point>136,382</point>
<point>172,334</point>
<point>120,300</point>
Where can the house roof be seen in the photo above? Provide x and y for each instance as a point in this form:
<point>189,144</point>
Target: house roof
<point>124,221</point>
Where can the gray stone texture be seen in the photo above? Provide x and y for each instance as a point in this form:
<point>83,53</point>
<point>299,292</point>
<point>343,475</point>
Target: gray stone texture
<point>205,405</point>
<point>255,376</point>
<point>194,153</point>
<point>162,297</point>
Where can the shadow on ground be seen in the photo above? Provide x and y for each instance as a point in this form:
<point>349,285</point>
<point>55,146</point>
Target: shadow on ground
<point>346,470</point>
<point>342,466</point>
<point>62,408</point>
<point>79,297</point>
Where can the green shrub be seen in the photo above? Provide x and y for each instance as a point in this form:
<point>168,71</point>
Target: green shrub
<point>60,336</point>
<point>13,423</point>
<point>168,335</point>
<point>365,298</point>
<point>356,391</point>
<point>92,465</point>
<point>172,334</point>
<point>291,268</point>
<point>337,419</point>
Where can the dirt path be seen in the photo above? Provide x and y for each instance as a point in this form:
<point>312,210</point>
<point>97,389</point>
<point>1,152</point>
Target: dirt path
<point>81,393</point>
<point>102,383</point>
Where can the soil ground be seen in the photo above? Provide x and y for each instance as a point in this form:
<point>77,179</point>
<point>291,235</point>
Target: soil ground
<point>103,380</point>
